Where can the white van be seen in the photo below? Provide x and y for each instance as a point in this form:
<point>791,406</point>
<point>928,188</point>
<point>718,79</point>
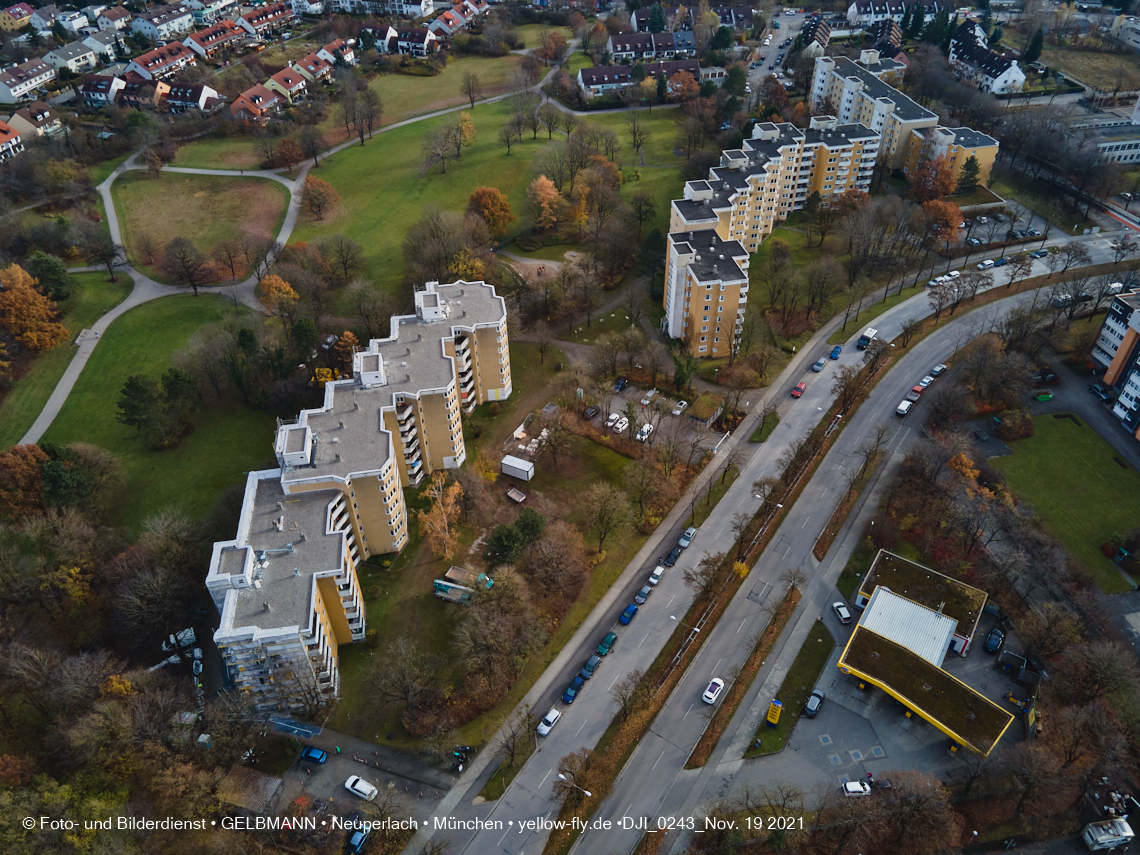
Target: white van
<point>1107,834</point>
<point>1115,288</point>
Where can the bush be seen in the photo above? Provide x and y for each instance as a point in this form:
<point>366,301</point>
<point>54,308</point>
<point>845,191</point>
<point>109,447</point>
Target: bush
<point>1014,425</point>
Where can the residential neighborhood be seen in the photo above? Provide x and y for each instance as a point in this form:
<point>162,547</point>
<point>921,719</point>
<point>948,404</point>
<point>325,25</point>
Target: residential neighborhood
<point>460,426</point>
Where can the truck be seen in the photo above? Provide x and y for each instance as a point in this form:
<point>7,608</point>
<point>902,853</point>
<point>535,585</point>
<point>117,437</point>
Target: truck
<point>868,336</point>
<point>1107,834</point>
<point>516,467</point>
<point>469,578</point>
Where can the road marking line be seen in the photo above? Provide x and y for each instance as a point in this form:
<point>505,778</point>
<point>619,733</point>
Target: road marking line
<point>583,725</point>
<point>611,685</point>
<point>544,777</point>
<point>504,837</point>
<point>685,716</point>
<point>716,667</point>
<point>658,759</point>
<point>806,522</point>
<point>741,625</point>
<point>645,639</point>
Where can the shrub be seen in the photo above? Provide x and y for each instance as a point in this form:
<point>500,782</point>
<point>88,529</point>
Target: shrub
<point>1014,425</point>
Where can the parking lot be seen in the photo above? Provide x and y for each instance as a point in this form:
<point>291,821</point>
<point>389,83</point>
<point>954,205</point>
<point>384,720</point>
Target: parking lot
<point>664,401</point>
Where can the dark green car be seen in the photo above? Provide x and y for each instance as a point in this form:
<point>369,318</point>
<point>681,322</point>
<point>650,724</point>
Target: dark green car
<point>607,644</point>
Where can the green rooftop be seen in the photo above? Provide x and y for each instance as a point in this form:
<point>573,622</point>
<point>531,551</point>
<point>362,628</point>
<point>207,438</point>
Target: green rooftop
<point>951,597</point>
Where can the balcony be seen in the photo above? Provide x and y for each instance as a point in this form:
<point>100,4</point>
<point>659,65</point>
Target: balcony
<point>404,413</point>
<point>411,444</point>
<point>462,345</point>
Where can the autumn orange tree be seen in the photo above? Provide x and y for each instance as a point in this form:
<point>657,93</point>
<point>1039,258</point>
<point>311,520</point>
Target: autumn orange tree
<point>492,205</point>
<point>439,522</point>
<point>543,198</point>
<point>683,87</point>
<point>288,153</point>
<point>320,197</point>
<point>944,217</point>
<point>26,313</point>
<point>935,179</point>
<point>21,481</point>
<point>466,265</point>
<point>346,346</point>
<point>279,298</point>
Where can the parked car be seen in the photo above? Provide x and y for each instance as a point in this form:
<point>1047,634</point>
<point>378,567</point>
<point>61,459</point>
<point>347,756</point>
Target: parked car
<point>672,557</point>
<point>925,381</point>
<point>915,393</point>
<point>716,686</point>
<point>981,221</point>
<point>680,408</point>
<point>570,694</point>
<point>855,789</point>
<point>798,391</point>
<point>994,640</point>
<point>655,576</point>
<point>938,369</point>
<point>1040,253</point>
<point>314,755</point>
<point>835,351</point>
<point>629,614</point>
<point>904,408</point>
<point>1015,234</point>
<point>548,722</point>
<point>607,644</point>
<point>613,419</point>
<point>356,840</point>
<point>643,594</point>
<point>360,787</point>
<point>1100,391</point>
<point>1001,262</point>
<point>987,264</point>
<point>1034,232</point>
<point>620,384</point>
<point>974,241</point>
<point>1001,218</point>
<point>817,366</point>
<point>953,274</point>
<point>649,396</point>
<point>814,703</point>
<point>590,413</point>
<point>590,667</point>
<point>841,612</point>
<point>643,433</point>
<point>622,424</point>
<point>687,537</point>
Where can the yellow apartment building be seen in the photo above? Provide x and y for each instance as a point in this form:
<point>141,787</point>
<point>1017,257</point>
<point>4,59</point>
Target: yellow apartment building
<point>957,144</point>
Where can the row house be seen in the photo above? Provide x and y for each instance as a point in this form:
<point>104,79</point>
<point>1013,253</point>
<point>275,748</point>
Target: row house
<point>971,57</point>
<point>92,13</point>
<point>20,82</point>
<point>680,18</point>
<point>10,143</point>
<point>338,49</point>
<point>35,120</point>
<point>192,96</point>
<point>308,7</point>
<point>815,36</point>
<point>207,12</point>
<point>314,68</point>
<point>285,586</point>
<point>108,45</point>
<point>115,18</point>
<point>460,17</point>
<point>163,61</point>
<point>864,13</point>
<point>290,83</point>
<point>142,93</point>
<point>739,18</point>
<point>99,90</point>
<point>163,22</point>
<point>75,57</point>
<point>209,40</point>
<point>267,20</point>
<point>417,41</point>
<point>659,47</point>
<point>411,9</point>
<point>594,81</point>
<point>887,39</point>
<point>15,17</point>
<point>257,104</point>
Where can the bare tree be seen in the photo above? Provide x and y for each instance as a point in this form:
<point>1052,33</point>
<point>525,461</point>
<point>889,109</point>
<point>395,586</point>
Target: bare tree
<point>607,511</point>
<point>146,244</point>
<point>403,673</point>
<point>629,692</point>
<point>638,132</point>
<point>471,88</point>
<point>514,737</point>
<point>185,263</point>
<point>343,254</point>
<point>702,578</point>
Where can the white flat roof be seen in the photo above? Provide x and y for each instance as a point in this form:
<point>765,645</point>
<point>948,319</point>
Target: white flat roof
<point>924,632</point>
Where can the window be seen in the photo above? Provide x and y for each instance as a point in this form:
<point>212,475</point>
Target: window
<point>704,329</point>
<point>704,338</point>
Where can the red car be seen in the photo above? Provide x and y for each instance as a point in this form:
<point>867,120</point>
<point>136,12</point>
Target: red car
<point>799,390</point>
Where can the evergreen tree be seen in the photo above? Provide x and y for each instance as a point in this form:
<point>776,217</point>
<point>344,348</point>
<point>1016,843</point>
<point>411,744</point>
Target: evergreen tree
<point>968,178</point>
<point>916,21</point>
<point>997,36</point>
<point>987,21</point>
<point>905,25</point>
<point>662,87</point>
<point>656,18</point>
<point>1033,52</point>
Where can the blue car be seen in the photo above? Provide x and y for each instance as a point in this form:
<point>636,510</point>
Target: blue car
<point>835,351</point>
<point>628,615</point>
<point>572,690</point>
<point>314,755</point>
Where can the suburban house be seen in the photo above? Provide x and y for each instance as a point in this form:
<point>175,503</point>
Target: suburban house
<point>256,104</point>
<point>209,40</point>
<point>815,35</point>
<point>19,82</point>
<point>286,585</point>
<point>192,96</point>
<point>659,47</point>
<point>44,18</point>
<point>208,11</point>
<point>142,93</point>
<point>639,18</point>
<point>314,68</point>
<point>15,17</point>
<point>737,17</point>
<point>10,143</point>
<point>342,49</point>
<point>972,58</point>
<point>93,12</point>
<point>72,21</point>
<point>75,57</point>
<point>115,18</point>
<point>448,24</point>
<point>386,8</point>
<point>107,44</point>
<point>864,13</point>
<point>163,61</point>
<point>1117,350</point>
<point>163,22</point>
<point>99,90</point>
<point>266,20</point>
<point>957,145</point>
<point>290,83</point>
<point>594,81</point>
<point>35,120</point>
<point>417,41</point>
<point>308,7</point>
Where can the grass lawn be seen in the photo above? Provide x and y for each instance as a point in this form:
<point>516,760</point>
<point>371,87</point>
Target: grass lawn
<point>1042,200</point>
<point>708,500</point>
<point>227,441</point>
<point>206,208</point>
<point>766,427</point>
<point>611,322</point>
<point>873,311</point>
<point>101,171</point>
<point>408,95</point>
<point>91,296</point>
<point>577,62</point>
<point>233,153</point>
<point>1071,478</point>
<point>531,34</point>
<point>384,191</point>
<point>1098,70</point>
<point>556,252</point>
<point>794,691</point>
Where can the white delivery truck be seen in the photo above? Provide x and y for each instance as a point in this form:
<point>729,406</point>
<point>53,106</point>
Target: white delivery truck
<point>868,336</point>
<point>516,467</point>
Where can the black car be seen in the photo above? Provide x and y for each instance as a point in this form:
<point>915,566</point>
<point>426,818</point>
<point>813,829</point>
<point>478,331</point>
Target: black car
<point>620,384</point>
<point>1001,262</point>
<point>994,640</point>
<point>590,413</point>
<point>672,557</point>
<point>814,703</point>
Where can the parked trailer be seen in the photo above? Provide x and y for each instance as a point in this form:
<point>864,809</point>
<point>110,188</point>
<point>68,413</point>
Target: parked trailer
<point>516,467</point>
<point>1107,834</point>
<point>516,495</point>
<point>469,578</point>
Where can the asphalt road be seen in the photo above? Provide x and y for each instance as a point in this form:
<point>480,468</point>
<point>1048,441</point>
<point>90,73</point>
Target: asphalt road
<point>644,788</point>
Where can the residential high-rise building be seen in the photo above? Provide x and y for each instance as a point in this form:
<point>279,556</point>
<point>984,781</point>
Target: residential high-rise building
<point>286,586</point>
<point>957,145</point>
<point>1117,349</point>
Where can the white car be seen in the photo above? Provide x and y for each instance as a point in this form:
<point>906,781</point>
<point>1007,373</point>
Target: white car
<point>938,369</point>
<point>360,787</point>
<point>687,537</point>
<point>680,408</point>
<point>856,789</point>
<point>841,612</point>
<point>716,686</point>
<point>925,381</point>
<point>643,433</point>
<point>548,722</point>
<point>904,408</point>
<point>953,274</point>
<point>648,397</point>
<point>613,419</point>
<point>986,265</point>
<point>622,424</point>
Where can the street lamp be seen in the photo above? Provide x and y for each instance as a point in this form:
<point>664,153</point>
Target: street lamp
<point>693,628</point>
<point>587,793</point>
